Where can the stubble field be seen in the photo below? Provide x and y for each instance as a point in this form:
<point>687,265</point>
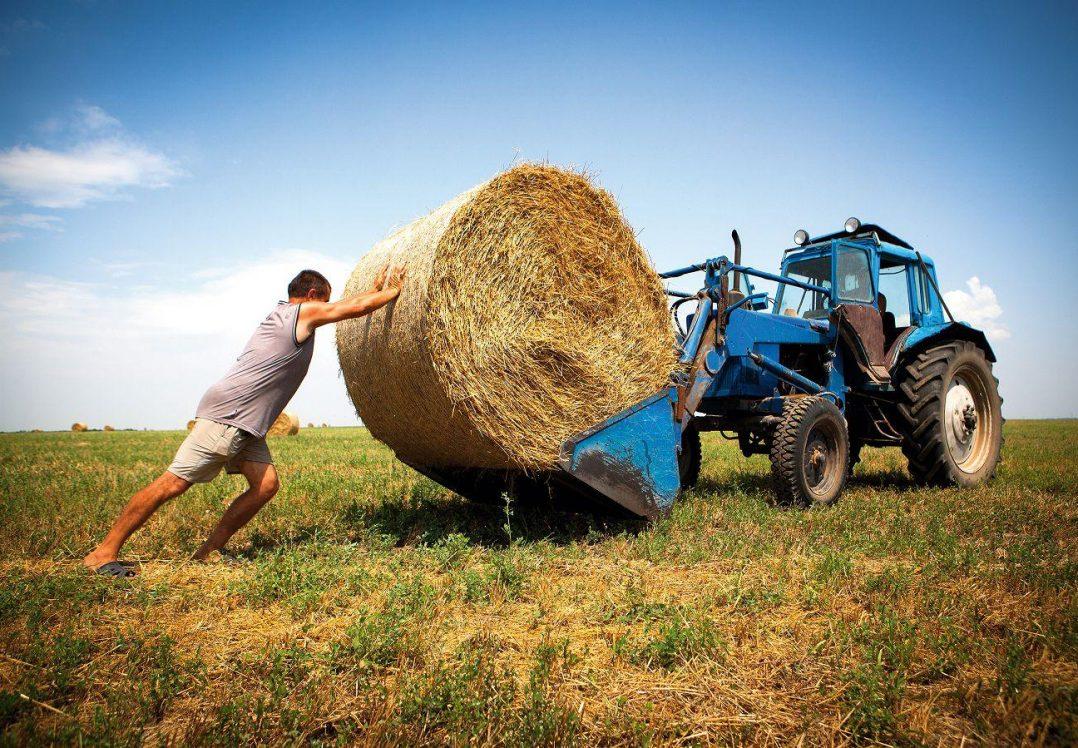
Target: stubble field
<point>368,605</point>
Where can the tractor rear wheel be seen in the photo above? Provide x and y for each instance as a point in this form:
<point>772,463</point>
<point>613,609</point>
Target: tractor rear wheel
<point>810,452</point>
<point>688,460</point>
<point>951,415</point>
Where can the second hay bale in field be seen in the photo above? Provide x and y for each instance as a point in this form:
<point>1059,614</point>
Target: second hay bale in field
<point>287,424</point>
<point>529,312</point>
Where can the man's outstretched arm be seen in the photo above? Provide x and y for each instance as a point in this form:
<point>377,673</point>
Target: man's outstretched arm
<point>314,314</point>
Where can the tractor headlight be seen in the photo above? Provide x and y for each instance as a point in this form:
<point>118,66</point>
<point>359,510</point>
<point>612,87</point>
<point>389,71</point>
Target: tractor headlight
<point>852,224</point>
<point>801,237</point>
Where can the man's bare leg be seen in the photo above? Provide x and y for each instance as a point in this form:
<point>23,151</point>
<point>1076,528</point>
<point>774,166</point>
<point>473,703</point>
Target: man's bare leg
<point>139,509</point>
<point>262,479</point>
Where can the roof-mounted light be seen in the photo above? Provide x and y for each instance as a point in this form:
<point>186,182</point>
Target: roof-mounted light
<point>801,237</point>
<point>852,224</point>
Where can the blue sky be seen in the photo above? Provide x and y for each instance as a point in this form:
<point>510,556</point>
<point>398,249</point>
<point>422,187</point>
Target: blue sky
<point>164,167</point>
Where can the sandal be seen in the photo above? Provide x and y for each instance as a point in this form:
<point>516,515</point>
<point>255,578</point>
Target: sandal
<point>118,569</point>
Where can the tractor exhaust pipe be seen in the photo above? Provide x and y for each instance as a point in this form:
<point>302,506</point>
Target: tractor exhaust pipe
<point>737,258</point>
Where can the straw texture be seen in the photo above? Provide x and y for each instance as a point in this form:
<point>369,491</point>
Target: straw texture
<point>529,312</point>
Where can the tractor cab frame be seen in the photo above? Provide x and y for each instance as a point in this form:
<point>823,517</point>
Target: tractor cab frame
<point>881,292</point>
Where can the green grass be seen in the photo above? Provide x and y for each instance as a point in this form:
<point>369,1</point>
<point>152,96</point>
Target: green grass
<point>366,604</point>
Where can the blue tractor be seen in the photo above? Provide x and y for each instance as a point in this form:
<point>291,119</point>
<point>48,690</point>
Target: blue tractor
<point>855,347</point>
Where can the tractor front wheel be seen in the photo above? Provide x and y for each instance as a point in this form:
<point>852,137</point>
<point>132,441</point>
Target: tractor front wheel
<point>951,417</point>
<point>810,452</point>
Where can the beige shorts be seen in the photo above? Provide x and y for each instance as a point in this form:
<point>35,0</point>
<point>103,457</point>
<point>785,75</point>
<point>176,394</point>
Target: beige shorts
<point>211,446</point>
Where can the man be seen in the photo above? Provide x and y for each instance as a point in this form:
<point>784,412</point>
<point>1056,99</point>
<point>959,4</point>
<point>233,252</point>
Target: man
<point>234,415</point>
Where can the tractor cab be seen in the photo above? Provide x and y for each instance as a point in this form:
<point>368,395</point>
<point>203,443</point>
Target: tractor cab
<point>874,284</point>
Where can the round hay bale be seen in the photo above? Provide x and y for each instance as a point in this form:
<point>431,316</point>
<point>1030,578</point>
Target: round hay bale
<point>79,426</point>
<point>310,425</point>
<point>287,424</point>
<point>108,428</point>
<point>191,424</point>
<point>325,425</point>
<point>528,313</point>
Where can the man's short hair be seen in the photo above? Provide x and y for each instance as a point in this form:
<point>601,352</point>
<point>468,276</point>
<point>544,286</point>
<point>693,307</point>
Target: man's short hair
<point>307,281</point>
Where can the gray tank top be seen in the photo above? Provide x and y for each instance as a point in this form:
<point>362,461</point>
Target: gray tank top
<point>264,378</point>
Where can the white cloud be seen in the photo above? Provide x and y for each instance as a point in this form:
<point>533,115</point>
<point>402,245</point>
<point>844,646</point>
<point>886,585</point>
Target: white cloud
<point>100,162</point>
<point>32,220</point>
<point>979,307</point>
<point>230,303</point>
<point>95,118</point>
<point>97,170</point>
<point>141,355</point>
<point>122,269</point>
<point>26,221</point>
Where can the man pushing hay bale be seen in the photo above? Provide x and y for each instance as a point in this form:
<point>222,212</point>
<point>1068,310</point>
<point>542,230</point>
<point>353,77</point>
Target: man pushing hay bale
<point>237,413</point>
<point>529,312</point>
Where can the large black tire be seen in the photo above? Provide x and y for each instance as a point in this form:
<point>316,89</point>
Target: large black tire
<point>688,461</point>
<point>950,413</point>
<point>810,452</point>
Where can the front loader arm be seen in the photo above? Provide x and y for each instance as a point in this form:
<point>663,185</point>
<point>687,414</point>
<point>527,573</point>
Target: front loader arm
<point>700,354</point>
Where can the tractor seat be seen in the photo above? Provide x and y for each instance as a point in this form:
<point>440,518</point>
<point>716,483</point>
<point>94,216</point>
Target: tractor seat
<point>890,328</point>
<point>861,326</point>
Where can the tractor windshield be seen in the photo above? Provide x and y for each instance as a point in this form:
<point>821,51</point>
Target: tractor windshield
<point>799,302</point>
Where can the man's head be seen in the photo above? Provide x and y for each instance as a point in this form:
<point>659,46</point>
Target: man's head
<point>309,285</point>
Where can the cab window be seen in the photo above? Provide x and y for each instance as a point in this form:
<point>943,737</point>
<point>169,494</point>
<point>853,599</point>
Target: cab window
<point>924,301</point>
<point>853,276</point>
<point>895,292</point>
<point>799,302</point>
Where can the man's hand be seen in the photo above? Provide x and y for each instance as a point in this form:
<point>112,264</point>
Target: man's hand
<point>380,279</point>
<point>396,278</point>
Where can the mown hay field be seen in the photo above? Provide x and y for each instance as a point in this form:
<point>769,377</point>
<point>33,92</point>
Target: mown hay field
<point>367,605</point>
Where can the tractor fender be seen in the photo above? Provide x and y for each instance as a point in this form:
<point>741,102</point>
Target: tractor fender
<point>924,337</point>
